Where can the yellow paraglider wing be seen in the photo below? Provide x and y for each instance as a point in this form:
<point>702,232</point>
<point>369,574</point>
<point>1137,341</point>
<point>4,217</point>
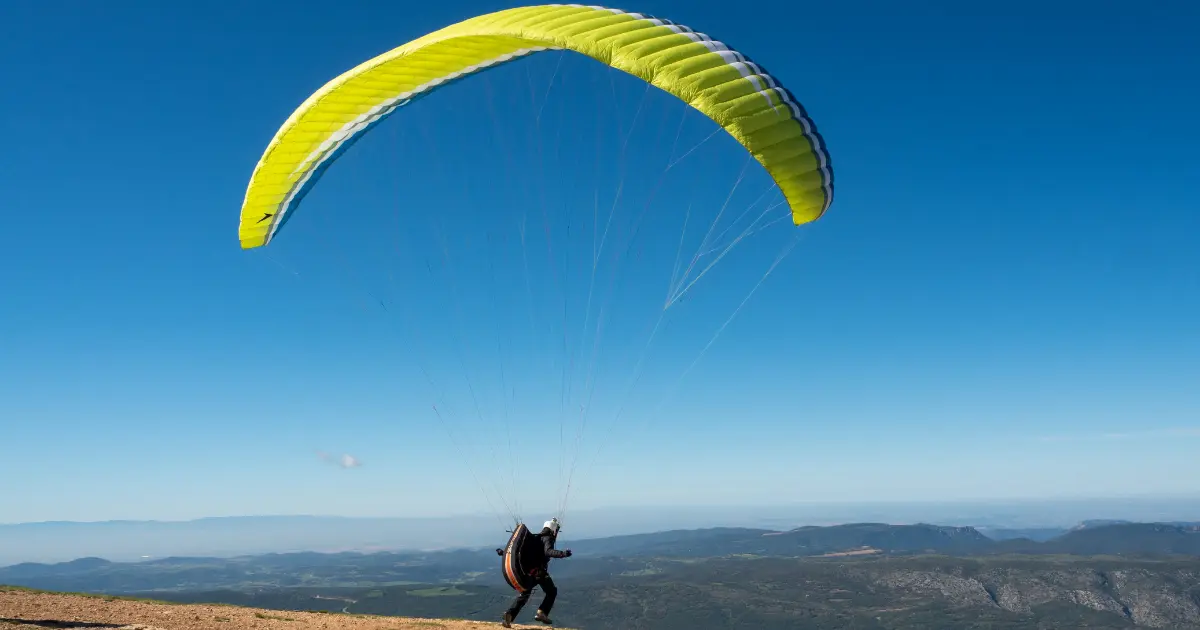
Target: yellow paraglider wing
<point>719,82</point>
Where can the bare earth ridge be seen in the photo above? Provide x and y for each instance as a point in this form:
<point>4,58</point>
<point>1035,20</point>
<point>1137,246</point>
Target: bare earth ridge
<point>35,610</point>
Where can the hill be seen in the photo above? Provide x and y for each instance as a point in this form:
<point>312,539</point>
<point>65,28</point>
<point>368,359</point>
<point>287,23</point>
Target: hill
<point>871,592</point>
<point>1040,534</point>
<point>1133,539</point>
<point>802,541</point>
<point>1116,538</point>
<point>34,610</point>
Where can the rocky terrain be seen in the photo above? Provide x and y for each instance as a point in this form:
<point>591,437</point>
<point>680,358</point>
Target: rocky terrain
<point>1146,597</point>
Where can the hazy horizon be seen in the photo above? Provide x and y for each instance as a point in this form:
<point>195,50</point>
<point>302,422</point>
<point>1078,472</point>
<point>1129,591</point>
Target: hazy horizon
<point>57,541</point>
<point>797,506</point>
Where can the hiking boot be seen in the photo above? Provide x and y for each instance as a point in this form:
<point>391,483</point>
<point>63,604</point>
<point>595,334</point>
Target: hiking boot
<point>508,619</point>
<point>542,617</point>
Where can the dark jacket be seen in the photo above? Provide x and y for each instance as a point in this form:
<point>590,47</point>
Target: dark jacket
<point>538,556</point>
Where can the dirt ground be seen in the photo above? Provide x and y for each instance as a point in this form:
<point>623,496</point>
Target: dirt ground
<point>33,610</point>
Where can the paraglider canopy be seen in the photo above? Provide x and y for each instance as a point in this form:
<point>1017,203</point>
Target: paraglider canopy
<point>720,82</point>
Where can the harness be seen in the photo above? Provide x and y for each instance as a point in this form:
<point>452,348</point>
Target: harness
<point>518,576</point>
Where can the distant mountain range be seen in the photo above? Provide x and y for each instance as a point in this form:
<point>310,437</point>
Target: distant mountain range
<point>1118,538</point>
<point>613,555</point>
<point>802,541</point>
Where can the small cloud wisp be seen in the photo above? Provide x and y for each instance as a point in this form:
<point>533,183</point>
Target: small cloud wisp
<point>344,461</point>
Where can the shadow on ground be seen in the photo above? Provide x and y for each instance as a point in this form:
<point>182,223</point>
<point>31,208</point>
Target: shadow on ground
<point>54,623</point>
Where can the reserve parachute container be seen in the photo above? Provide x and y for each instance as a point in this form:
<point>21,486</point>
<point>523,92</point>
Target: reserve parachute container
<point>516,574</point>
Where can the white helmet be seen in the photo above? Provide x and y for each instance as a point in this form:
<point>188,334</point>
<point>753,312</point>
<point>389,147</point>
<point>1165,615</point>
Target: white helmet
<point>551,525</point>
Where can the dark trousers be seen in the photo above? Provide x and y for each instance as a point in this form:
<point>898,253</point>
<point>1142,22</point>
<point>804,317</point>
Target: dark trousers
<point>548,588</point>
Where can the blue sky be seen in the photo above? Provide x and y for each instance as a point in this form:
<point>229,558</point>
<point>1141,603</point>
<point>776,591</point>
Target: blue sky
<point>1002,301</point>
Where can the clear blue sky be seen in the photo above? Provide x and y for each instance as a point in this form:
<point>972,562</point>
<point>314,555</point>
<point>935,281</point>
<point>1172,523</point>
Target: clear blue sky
<point>1003,300</point>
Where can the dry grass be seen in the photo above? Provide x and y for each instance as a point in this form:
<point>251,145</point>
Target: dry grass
<point>27,609</point>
